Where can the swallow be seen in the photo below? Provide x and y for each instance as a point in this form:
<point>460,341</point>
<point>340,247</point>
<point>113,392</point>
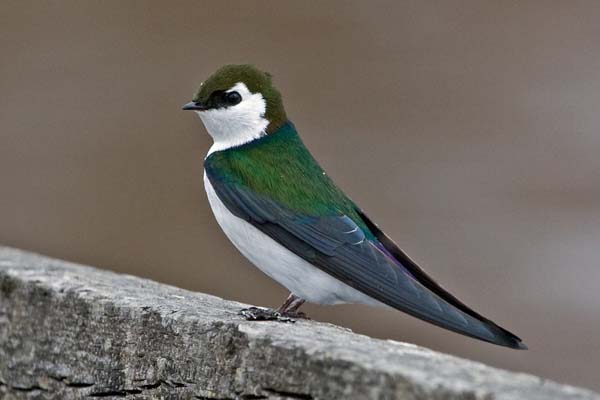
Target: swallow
<point>283,212</point>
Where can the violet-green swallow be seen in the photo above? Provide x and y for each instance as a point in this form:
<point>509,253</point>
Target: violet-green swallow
<point>285,215</point>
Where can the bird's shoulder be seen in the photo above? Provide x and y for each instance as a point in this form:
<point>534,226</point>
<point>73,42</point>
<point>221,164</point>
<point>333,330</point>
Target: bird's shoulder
<point>279,167</point>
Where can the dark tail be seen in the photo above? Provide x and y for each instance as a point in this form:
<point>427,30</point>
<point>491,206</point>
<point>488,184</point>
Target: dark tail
<point>499,335</point>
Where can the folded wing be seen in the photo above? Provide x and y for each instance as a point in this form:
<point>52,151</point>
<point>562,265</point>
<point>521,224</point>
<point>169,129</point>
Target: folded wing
<point>374,266</point>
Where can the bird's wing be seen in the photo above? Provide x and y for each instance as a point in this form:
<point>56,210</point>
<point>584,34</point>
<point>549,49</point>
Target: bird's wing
<point>362,257</point>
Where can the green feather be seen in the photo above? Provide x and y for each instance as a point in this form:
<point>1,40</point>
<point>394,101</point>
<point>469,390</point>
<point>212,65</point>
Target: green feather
<point>280,167</point>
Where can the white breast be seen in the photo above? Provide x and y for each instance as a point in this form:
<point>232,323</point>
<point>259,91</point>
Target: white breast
<point>297,275</point>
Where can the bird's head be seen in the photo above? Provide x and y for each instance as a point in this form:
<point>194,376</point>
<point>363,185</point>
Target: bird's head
<point>238,104</point>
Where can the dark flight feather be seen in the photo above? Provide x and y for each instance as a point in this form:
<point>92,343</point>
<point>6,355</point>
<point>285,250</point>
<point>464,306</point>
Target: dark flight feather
<point>376,267</point>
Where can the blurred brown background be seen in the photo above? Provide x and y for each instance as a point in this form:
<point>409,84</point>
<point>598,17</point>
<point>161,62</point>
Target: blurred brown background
<point>468,130</point>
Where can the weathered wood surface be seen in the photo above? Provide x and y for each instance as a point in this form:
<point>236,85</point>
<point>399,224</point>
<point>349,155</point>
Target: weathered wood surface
<point>71,332</point>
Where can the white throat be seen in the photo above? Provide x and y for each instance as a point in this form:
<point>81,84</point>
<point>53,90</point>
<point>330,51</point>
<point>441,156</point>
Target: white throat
<point>238,124</point>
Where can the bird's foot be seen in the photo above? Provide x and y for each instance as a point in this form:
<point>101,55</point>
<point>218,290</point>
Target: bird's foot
<point>288,312</point>
<point>294,314</point>
<point>265,314</point>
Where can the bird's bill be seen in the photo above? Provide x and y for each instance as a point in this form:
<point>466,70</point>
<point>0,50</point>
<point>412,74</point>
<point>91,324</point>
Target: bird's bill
<point>197,106</point>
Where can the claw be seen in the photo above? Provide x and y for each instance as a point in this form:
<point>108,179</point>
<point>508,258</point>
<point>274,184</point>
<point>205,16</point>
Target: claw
<point>264,314</point>
<point>295,315</point>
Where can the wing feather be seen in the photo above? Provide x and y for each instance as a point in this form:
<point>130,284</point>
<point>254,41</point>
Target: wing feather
<point>376,267</point>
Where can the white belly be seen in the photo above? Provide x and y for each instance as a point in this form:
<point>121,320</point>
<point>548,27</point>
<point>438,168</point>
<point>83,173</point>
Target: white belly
<point>297,275</point>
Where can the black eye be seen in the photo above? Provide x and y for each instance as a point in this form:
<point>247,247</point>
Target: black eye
<point>233,98</point>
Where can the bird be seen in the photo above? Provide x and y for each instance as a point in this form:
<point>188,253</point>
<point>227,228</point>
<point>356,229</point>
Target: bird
<point>284,213</point>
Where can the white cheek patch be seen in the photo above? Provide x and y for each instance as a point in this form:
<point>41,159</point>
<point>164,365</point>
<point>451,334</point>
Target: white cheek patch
<point>238,124</point>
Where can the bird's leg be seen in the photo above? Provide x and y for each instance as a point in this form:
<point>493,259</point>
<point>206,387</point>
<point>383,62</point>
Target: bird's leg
<point>287,303</point>
<point>286,313</point>
<point>290,307</point>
